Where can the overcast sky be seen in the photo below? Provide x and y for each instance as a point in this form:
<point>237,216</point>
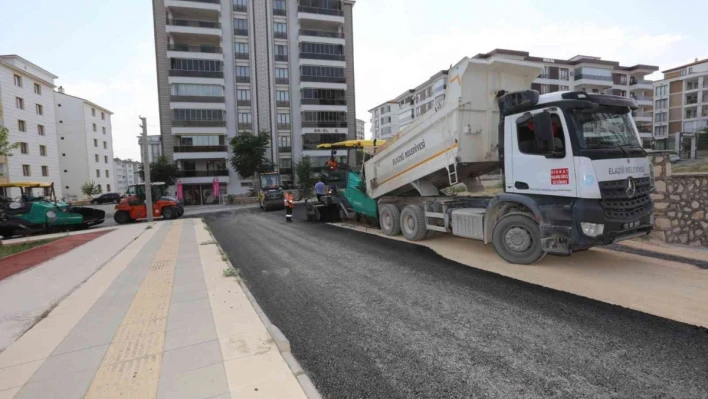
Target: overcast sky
<point>104,50</point>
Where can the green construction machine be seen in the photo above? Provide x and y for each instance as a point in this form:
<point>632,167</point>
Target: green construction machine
<point>29,214</point>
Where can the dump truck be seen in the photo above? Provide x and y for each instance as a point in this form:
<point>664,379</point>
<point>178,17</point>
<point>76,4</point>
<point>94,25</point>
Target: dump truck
<point>573,173</point>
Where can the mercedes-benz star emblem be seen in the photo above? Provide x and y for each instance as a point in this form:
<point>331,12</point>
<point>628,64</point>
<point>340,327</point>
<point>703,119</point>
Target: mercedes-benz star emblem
<point>630,188</point>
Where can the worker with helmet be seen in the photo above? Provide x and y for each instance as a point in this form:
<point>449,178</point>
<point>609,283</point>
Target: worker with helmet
<point>288,206</point>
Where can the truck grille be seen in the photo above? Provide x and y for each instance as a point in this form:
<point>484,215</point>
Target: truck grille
<point>616,204</point>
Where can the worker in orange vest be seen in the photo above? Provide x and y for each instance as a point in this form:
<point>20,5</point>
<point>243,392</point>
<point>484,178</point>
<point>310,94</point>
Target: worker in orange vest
<point>288,206</point>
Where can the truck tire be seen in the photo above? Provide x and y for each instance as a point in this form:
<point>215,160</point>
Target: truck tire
<point>517,239</point>
<point>169,213</point>
<point>413,222</point>
<point>390,219</point>
<point>122,217</point>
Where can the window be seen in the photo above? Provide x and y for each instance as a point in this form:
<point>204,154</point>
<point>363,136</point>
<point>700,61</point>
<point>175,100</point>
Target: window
<point>26,170</point>
<point>563,74</point>
<point>105,159</point>
<point>198,114</point>
<point>241,26</point>
<point>105,145</point>
<point>107,174</point>
<point>45,170</point>
<point>18,80</point>
<point>279,7</point>
<point>95,142</point>
<point>240,5</point>
<point>281,52</point>
<point>24,148</point>
<point>322,48</point>
<point>545,89</point>
<point>283,119</point>
<point>660,130</point>
<point>108,187</point>
<point>93,111</point>
<point>661,104</point>
<point>40,130</point>
<point>241,50</point>
<point>103,129</point>
<point>281,75</point>
<point>98,173</point>
<point>202,140</point>
<point>37,89</point>
<point>563,88</point>
<point>661,90</point>
<point>196,90</point>
<point>94,127</point>
<point>243,94</point>
<point>95,156</point>
<point>39,109</point>
<point>244,117</point>
<point>21,126</point>
<point>527,137</point>
<point>282,96</point>
<point>243,74</point>
<point>188,64</point>
<point>284,141</point>
<point>660,117</point>
<point>19,103</point>
<point>43,150</point>
<point>322,74</point>
<point>280,30</point>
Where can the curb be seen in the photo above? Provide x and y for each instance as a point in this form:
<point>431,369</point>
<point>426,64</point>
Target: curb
<point>280,340</point>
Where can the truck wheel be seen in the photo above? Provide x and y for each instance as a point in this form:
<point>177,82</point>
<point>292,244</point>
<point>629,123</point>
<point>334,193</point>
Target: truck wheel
<point>168,213</point>
<point>122,217</point>
<point>390,219</point>
<point>517,239</point>
<point>413,222</point>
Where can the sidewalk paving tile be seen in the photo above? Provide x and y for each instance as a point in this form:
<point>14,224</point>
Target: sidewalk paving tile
<point>205,382</point>
<point>189,296</point>
<point>70,363</point>
<point>183,359</point>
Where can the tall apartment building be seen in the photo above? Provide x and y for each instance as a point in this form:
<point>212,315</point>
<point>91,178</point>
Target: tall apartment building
<point>154,147</point>
<point>384,120</point>
<point>681,101</point>
<point>126,171</point>
<point>229,66</point>
<point>27,111</point>
<point>360,129</point>
<point>586,73</point>
<point>85,144</point>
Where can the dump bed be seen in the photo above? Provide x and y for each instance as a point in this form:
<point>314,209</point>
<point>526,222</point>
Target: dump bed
<point>462,132</point>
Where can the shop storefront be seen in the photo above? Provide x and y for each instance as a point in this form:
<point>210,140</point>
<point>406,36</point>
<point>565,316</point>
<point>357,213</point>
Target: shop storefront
<point>203,194</point>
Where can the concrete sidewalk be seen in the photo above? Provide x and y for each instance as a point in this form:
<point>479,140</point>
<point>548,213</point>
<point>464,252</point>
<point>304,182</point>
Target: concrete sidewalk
<point>158,320</point>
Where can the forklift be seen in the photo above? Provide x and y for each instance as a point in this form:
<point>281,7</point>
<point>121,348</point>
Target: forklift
<point>133,207</point>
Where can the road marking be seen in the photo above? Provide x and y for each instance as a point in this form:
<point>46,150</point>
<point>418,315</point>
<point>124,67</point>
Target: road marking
<point>131,367</point>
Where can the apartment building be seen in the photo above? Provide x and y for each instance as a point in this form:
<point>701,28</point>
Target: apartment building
<point>84,143</point>
<point>586,73</point>
<point>360,129</point>
<point>384,120</point>
<point>230,66</point>
<point>27,111</point>
<point>126,174</point>
<point>154,149</point>
<point>681,101</point>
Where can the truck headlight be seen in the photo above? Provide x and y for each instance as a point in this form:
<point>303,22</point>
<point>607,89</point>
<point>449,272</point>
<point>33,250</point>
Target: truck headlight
<point>592,229</point>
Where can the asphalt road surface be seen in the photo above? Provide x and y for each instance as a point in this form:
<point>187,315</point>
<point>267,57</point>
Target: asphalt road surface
<point>369,317</point>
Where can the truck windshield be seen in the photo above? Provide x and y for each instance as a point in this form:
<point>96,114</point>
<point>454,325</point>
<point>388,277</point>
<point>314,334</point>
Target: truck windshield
<point>269,181</point>
<point>605,127</point>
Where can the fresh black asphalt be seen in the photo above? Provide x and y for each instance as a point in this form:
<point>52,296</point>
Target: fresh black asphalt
<point>369,317</point>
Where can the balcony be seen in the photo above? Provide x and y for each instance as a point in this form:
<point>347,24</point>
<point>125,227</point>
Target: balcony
<point>213,5</point>
<point>245,126</point>
<point>692,101</point>
<point>241,56</point>
<point>320,33</point>
<point>240,8</point>
<point>202,173</point>
<point>593,80</point>
<point>282,81</point>
<point>323,79</point>
<point>282,150</point>
<point>196,99</point>
<point>181,123</point>
<point>643,100</point>
<point>243,103</point>
<point>639,84</point>
<point>281,57</point>
<point>195,49</point>
<point>323,101</point>
<point>642,116</point>
<point>321,11</point>
<point>193,27</point>
<point>285,171</point>
<point>325,124</point>
<point>317,56</point>
<point>283,104</point>
<point>201,148</point>
<point>280,11</point>
<point>280,35</point>
<point>283,126</point>
<point>323,16</point>
<point>241,32</point>
<point>243,79</point>
<point>196,74</point>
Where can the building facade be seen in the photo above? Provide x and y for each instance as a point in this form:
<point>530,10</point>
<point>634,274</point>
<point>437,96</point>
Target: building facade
<point>154,149</point>
<point>360,129</point>
<point>681,101</point>
<point>126,174</point>
<point>27,111</point>
<point>580,73</point>
<point>229,66</point>
<point>384,120</point>
<point>85,144</point>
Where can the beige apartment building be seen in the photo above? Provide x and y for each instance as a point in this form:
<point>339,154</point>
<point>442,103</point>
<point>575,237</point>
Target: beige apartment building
<point>681,102</point>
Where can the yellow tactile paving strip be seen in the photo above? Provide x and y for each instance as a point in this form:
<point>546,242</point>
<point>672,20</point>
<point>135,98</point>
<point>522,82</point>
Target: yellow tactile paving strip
<point>131,367</point>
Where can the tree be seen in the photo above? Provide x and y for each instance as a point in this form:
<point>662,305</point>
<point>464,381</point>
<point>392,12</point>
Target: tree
<point>249,152</point>
<point>305,177</point>
<point>90,188</point>
<point>161,170</point>
<point>5,147</point>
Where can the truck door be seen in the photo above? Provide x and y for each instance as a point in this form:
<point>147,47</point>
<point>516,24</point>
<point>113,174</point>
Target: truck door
<point>534,171</point>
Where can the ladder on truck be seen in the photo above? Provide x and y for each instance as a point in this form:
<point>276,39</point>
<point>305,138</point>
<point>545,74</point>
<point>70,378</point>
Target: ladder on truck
<point>448,142</point>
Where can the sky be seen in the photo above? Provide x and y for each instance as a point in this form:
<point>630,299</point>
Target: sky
<point>104,50</point>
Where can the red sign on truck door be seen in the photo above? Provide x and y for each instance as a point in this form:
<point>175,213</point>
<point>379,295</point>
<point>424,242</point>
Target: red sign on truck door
<point>560,176</point>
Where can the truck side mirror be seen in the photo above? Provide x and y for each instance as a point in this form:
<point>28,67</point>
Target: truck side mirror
<point>544,131</point>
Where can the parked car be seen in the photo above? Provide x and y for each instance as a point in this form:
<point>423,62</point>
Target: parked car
<point>108,198</point>
<point>673,158</point>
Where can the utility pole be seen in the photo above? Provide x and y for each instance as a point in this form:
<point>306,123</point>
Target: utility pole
<point>146,168</point>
